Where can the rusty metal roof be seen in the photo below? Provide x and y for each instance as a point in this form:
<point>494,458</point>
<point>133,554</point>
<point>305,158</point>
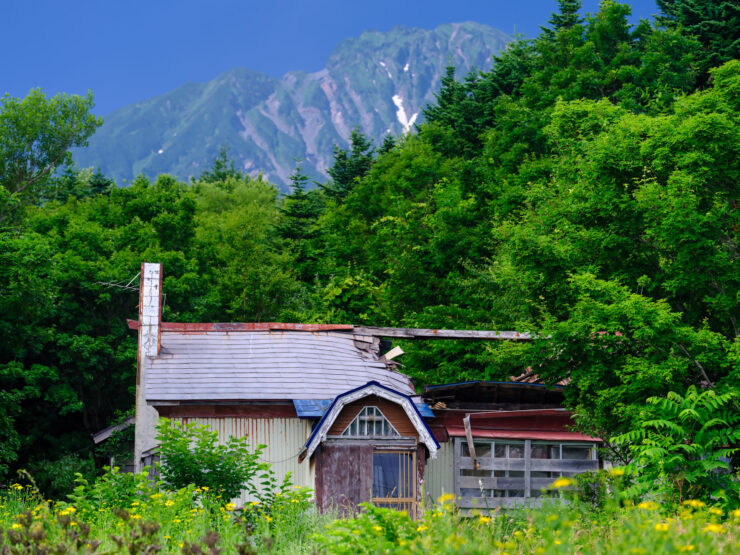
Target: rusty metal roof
<point>266,365</point>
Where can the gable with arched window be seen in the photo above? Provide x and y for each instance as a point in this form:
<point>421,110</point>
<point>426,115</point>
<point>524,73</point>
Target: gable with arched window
<point>370,422</point>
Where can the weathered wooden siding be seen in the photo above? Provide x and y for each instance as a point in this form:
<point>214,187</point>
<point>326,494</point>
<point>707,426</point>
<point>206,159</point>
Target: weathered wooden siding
<point>344,476</point>
<point>524,482</point>
<point>392,412</point>
<point>283,437</point>
<point>439,476</point>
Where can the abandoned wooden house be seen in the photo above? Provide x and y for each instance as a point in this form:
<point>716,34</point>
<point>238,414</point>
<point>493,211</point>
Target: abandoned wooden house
<point>338,415</point>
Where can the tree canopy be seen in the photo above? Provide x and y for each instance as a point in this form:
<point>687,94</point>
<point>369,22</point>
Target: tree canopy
<point>36,135</point>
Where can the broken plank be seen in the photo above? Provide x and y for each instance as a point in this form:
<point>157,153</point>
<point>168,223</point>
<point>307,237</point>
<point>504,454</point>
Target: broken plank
<point>420,333</point>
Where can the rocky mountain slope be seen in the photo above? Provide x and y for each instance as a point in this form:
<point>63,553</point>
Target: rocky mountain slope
<point>377,81</point>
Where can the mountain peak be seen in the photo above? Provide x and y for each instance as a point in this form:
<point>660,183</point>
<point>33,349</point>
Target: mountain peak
<point>379,82</point>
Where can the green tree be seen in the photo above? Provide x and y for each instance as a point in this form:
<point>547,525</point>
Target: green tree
<point>36,135</point>
<point>565,18</point>
<point>715,23</point>
<point>75,183</point>
<point>349,165</point>
<point>222,169</point>
<point>618,348</point>
<point>299,215</point>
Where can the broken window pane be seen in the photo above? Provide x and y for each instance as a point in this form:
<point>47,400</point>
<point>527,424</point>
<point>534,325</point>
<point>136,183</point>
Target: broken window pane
<point>577,452</point>
<point>482,449</point>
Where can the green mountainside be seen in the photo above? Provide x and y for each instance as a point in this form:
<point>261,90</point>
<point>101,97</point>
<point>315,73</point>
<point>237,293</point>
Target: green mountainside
<point>377,81</point>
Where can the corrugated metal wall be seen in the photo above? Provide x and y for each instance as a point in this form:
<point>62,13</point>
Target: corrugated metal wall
<point>439,475</point>
<point>284,437</point>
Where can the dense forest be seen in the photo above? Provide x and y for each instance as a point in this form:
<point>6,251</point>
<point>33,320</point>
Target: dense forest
<point>584,190</point>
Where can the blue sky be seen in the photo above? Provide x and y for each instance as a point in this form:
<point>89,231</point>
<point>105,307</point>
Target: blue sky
<point>128,50</point>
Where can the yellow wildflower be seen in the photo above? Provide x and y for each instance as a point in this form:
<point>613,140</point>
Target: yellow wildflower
<point>135,516</point>
<point>445,498</point>
<point>15,526</point>
<point>694,503</point>
<point>254,503</point>
<point>422,528</point>
<point>558,542</point>
<point>17,487</point>
<point>268,518</point>
<point>230,506</point>
<point>648,505</point>
<point>205,488</point>
<point>736,513</point>
<point>169,503</point>
<point>377,528</point>
<point>689,547</point>
<point>661,527</point>
<point>562,483</point>
<point>156,495</point>
<point>714,528</point>
<point>484,520</point>
<point>617,472</point>
<point>716,511</point>
<point>356,532</point>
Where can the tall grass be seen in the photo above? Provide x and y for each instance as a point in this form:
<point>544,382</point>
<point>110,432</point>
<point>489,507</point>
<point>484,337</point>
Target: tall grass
<point>131,515</point>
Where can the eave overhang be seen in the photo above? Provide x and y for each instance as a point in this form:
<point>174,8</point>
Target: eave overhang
<point>371,388</point>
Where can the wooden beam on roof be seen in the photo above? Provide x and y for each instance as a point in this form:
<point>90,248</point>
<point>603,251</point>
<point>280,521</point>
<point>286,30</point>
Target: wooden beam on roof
<point>243,326</point>
<point>418,333</point>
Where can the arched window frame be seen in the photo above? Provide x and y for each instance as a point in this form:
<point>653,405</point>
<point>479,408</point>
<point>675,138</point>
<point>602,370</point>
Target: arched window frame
<point>364,424</point>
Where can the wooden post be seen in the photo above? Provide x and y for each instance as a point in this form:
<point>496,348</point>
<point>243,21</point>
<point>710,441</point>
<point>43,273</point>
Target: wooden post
<point>527,468</point>
<point>471,445</point>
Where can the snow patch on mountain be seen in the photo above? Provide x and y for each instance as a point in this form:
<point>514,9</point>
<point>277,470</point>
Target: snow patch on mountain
<point>405,122</point>
<point>386,70</point>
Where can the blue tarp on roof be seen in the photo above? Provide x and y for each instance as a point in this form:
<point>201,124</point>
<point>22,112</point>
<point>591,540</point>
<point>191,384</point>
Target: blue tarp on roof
<point>315,408</point>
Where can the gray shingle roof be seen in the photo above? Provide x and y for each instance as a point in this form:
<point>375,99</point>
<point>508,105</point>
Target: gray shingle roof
<point>264,365</point>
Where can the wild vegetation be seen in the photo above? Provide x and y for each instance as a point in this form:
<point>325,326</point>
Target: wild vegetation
<point>127,514</point>
<point>585,190</point>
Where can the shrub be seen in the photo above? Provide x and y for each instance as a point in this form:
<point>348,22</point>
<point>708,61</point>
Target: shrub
<point>191,454</point>
<point>682,448</point>
<point>56,479</point>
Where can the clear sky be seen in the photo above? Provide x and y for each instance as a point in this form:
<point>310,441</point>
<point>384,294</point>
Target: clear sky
<point>128,50</point>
